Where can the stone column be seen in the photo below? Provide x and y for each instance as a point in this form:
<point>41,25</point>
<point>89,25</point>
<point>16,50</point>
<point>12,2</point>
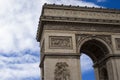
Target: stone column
<point>96,69</point>
<point>115,58</point>
<point>60,59</point>
<point>117,68</point>
<point>61,67</point>
<point>113,68</point>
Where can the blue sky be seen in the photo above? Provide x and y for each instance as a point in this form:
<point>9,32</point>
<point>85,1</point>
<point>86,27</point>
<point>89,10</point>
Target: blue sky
<point>19,51</point>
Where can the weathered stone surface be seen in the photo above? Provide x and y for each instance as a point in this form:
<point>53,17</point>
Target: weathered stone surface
<point>65,32</point>
<point>62,42</point>
<point>56,42</point>
<point>81,14</point>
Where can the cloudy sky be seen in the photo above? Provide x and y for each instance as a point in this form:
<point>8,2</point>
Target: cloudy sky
<point>19,51</point>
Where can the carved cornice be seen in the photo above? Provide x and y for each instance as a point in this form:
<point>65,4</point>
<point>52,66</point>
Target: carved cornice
<point>46,17</point>
<point>80,20</point>
<point>85,8</point>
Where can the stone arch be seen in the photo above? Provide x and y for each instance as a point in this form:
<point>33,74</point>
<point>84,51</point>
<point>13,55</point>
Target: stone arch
<point>104,43</point>
<point>97,49</point>
<point>63,37</point>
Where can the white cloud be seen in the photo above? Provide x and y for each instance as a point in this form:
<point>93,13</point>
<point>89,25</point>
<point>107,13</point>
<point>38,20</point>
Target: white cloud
<point>19,20</point>
<point>18,68</point>
<point>86,63</point>
<point>27,58</point>
<point>20,71</point>
<point>18,26</point>
<point>101,0</point>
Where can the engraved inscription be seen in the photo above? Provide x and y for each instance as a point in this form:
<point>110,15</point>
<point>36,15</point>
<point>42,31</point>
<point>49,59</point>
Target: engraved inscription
<point>117,42</point>
<point>61,71</point>
<point>64,42</point>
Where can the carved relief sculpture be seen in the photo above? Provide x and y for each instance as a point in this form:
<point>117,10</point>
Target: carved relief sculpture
<point>60,42</point>
<point>61,71</point>
<point>65,32</point>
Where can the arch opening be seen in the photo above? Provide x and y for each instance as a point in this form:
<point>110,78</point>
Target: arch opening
<point>96,50</point>
<point>87,70</point>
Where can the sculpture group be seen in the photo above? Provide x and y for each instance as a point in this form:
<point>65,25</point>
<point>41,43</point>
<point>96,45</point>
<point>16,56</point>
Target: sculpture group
<point>62,71</point>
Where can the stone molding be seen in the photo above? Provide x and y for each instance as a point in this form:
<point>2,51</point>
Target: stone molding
<point>109,13</point>
<point>63,42</point>
<point>72,13</point>
<point>81,27</point>
<point>80,20</point>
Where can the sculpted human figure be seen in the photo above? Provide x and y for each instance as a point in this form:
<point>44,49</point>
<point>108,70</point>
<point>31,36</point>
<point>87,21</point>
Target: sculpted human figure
<point>61,71</point>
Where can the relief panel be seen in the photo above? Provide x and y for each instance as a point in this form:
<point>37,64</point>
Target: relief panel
<point>61,71</point>
<point>60,42</point>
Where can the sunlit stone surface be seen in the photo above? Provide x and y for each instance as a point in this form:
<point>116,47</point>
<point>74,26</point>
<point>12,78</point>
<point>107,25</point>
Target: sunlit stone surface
<point>64,32</point>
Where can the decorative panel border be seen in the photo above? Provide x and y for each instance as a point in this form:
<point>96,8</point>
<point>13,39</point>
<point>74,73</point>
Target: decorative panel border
<point>60,42</point>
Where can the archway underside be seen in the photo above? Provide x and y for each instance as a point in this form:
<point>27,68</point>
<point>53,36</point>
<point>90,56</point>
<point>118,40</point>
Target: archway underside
<point>96,50</point>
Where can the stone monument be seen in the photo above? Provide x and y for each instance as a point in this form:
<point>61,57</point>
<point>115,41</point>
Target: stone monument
<point>64,32</point>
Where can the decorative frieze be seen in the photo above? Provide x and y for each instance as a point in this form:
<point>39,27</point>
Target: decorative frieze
<point>81,14</point>
<point>82,27</point>
<point>60,42</point>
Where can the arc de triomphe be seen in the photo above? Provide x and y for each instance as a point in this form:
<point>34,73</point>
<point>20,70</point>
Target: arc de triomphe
<point>64,32</point>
